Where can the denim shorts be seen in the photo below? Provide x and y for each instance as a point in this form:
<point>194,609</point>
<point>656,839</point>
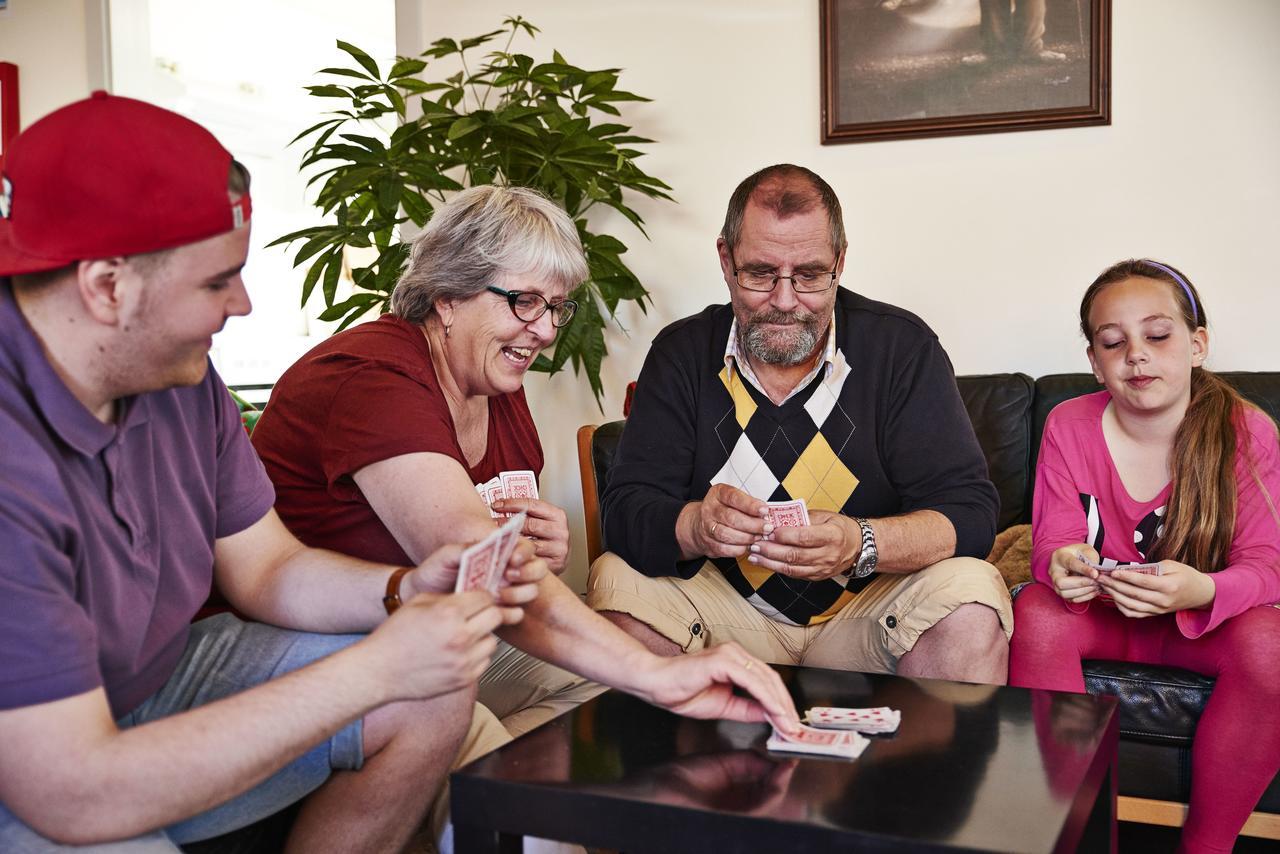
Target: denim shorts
<point>223,657</point>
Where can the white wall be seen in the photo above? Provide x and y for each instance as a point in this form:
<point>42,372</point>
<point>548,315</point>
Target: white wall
<point>991,238</point>
<point>47,40</point>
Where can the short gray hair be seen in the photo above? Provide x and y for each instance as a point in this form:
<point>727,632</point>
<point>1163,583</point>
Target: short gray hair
<point>484,233</point>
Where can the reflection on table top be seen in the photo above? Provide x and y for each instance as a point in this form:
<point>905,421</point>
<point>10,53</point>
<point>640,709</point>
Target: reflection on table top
<point>970,765</point>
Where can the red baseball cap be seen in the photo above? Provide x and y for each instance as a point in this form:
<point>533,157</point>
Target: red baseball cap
<point>111,176</point>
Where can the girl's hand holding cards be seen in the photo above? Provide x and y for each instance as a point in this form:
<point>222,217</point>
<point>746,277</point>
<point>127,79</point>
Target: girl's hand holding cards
<point>1072,573</point>
<point>1139,591</point>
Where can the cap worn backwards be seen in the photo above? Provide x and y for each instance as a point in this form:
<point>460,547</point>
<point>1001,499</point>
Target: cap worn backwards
<point>110,176</point>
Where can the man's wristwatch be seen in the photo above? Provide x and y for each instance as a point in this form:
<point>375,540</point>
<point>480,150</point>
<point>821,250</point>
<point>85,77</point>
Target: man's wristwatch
<point>869,557</point>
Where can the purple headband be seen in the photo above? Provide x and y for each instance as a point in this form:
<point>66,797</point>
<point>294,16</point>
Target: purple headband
<point>1177,277</point>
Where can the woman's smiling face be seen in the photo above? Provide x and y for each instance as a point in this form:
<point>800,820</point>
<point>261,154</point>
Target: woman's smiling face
<point>489,349</point>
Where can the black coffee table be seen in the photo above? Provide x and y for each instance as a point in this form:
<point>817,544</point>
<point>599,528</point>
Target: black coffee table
<point>971,768</point>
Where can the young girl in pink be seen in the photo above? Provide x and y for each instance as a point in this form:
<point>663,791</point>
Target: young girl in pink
<point>1170,465</point>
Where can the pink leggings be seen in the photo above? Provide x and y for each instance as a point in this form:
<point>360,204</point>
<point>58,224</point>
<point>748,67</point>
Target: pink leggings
<point>1236,751</point>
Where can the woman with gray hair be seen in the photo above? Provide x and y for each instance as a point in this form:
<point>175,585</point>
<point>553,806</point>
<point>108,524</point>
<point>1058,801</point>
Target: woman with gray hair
<point>377,439</point>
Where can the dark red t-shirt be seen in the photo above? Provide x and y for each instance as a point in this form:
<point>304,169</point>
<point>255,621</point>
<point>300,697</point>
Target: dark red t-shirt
<point>365,395</point>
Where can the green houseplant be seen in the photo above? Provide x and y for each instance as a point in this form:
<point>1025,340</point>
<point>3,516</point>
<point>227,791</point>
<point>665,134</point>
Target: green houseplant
<point>505,119</point>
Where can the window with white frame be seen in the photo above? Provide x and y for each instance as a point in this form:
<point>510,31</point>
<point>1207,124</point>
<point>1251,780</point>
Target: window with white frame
<point>239,67</point>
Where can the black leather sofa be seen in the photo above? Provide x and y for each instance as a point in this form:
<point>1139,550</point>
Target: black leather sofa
<point>1159,707</point>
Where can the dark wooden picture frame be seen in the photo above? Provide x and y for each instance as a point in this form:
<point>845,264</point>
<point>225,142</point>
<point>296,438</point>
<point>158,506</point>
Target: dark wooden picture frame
<point>900,69</point>
<point>9,116</point>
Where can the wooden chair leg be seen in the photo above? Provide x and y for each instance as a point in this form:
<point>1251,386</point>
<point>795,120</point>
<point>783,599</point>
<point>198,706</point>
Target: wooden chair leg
<point>590,500</point>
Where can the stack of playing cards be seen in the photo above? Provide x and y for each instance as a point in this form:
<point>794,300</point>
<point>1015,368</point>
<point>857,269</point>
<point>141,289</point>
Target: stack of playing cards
<point>878,720</point>
<point>823,742</point>
<point>1144,568</point>
<point>509,484</point>
<point>788,514</point>
<point>483,564</point>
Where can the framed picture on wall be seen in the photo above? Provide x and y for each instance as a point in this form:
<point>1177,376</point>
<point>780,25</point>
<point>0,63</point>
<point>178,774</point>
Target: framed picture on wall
<point>898,69</point>
<point>8,106</point>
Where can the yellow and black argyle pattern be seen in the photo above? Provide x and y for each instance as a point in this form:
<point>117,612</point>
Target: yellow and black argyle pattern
<point>781,453</point>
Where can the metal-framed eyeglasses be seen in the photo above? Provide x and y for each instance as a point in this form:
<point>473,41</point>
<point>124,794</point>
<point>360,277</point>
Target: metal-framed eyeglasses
<point>804,282</point>
<point>528,306</point>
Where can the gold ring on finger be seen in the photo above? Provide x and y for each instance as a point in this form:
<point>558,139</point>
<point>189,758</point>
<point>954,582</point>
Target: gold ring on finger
<point>714,525</point>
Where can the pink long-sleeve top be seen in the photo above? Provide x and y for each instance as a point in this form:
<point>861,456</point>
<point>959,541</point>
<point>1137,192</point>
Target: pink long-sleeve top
<point>1079,498</point>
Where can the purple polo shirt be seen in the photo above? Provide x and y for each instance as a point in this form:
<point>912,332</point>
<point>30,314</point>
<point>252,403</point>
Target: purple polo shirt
<point>107,530</point>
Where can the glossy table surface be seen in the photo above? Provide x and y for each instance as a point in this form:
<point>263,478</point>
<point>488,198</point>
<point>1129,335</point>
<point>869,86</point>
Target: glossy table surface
<point>971,767</point>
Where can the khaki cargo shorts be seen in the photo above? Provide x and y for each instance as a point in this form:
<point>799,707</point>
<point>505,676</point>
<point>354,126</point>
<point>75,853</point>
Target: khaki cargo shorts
<point>870,634</point>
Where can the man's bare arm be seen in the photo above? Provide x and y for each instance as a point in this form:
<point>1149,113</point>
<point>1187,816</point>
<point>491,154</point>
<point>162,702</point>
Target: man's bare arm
<point>912,541</point>
<point>68,772</point>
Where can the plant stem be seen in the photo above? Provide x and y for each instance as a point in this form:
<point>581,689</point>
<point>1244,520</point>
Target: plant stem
<point>462,57</point>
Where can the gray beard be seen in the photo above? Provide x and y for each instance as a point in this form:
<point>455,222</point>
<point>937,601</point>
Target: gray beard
<point>789,348</point>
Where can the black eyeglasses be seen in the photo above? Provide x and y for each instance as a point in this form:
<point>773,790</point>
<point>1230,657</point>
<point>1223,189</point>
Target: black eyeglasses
<point>767,280</point>
<point>528,306</point>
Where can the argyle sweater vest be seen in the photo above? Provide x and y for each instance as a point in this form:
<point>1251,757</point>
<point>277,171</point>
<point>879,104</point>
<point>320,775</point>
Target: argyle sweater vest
<point>781,453</point>
<point>885,433</point>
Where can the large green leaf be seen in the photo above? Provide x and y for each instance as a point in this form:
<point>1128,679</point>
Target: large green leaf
<point>366,62</point>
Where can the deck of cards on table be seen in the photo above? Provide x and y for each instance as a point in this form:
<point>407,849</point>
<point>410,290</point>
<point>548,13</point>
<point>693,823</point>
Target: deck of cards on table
<point>878,720</point>
<point>508,484</point>
<point>822,742</point>
<point>788,514</point>
<point>483,563</point>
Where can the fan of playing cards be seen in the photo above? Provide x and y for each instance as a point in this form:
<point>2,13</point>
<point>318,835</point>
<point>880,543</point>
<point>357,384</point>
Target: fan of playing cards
<point>482,564</point>
<point>508,484</point>
<point>1144,568</point>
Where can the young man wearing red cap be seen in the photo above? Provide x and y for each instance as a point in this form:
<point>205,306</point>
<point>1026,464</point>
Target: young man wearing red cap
<point>126,482</point>
<point>127,487</point>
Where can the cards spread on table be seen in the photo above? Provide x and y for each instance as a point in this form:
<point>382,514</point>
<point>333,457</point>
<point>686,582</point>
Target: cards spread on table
<point>788,514</point>
<point>823,742</point>
<point>508,484</point>
<point>484,562</point>
<point>877,720</point>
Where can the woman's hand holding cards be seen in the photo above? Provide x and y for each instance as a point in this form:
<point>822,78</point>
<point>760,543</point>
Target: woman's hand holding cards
<point>1178,587</point>
<point>545,524</point>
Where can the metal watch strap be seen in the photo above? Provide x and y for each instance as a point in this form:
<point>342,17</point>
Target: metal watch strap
<point>869,556</point>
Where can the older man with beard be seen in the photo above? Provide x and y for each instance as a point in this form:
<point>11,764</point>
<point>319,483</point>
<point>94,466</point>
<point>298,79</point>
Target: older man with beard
<point>801,389</point>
